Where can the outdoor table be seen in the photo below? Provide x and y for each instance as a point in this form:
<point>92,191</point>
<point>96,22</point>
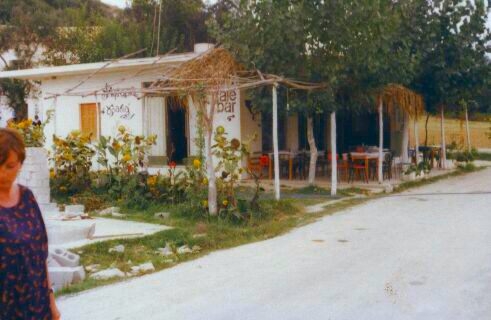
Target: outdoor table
<point>290,155</point>
<point>367,156</point>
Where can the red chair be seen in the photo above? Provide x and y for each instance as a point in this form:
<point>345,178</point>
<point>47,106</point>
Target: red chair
<point>357,167</point>
<point>257,164</point>
<point>329,156</point>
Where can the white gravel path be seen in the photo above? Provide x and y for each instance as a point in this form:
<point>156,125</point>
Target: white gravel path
<point>425,254</point>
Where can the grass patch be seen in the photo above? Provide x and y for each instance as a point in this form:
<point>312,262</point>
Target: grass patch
<point>315,190</point>
<point>483,156</point>
<point>211,235</point>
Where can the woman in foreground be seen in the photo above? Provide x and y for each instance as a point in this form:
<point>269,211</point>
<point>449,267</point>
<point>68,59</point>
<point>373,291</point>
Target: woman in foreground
<point>25,290</point>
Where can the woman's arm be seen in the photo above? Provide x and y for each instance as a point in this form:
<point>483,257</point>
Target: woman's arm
<point>52,303</point>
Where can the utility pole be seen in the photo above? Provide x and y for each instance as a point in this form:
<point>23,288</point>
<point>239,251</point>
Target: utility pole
<point>158,31</point>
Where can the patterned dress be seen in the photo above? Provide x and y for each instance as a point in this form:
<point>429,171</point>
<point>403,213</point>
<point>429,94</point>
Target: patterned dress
<point>24,290</point>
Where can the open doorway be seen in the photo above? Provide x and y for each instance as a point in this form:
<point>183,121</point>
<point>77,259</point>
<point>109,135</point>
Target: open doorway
<point>177,140</point>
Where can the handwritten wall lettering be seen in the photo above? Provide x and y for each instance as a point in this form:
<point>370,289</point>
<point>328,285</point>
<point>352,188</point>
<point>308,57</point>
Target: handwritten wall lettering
<point>123,110</point>
<point>110,92</point>
<point>226,103</point>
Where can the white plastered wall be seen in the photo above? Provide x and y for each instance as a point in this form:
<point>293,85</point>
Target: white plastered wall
<point>250,125</point>
<point>111,115</point>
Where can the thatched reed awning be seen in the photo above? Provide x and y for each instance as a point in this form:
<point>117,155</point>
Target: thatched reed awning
<point>395,95</point>
<point>217,69</point>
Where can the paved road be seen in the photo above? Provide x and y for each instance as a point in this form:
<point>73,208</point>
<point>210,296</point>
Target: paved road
<point>423,255</point>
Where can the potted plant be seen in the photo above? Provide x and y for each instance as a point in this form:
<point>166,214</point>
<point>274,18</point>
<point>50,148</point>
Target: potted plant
<point>423,169</point>
<point>409,173</point>
<point>35,170</point>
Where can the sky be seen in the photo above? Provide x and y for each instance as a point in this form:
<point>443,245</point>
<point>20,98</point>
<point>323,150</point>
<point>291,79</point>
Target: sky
<point>123,3</point>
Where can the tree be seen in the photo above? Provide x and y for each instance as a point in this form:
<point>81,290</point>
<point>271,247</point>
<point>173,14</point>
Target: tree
<point>93,36</point>
<point>273,37</point>
<point>454,66</point>
<point>27,28</point>
<point>359,51</point>
<point>345,44</point>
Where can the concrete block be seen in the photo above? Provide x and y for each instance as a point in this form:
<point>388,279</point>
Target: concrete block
<point>78,274</point>
<point>52,263</point>
<point>65,258</point>
<point>60,277</point>
<point>75,208</point>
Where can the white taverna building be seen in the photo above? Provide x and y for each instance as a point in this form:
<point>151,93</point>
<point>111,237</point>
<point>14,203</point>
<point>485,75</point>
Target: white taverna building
<point>99,97</point>
<point>113,98</point>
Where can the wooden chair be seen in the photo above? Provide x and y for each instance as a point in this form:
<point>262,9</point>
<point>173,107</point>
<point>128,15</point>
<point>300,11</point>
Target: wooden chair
<point>357,167</point>
<point>284,164</point>
<point>322,162</point>
<point>398,166</point>
<point>343,165</point>
<point>388,165</point>
<point>300,165</point>
<point>257,163</point>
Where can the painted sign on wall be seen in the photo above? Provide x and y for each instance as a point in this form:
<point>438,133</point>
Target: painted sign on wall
<point>110,92</point>
<point>226,103</point>
<point>123,110</point>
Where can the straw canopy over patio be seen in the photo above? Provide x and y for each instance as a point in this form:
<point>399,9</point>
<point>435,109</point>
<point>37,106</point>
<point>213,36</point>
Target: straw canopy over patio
<point>203,78</point>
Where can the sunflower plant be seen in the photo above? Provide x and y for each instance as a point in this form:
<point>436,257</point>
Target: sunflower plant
<point>124,153</point>
<point>229,153</point>
<point>72,157</point>
<point>123,158</point>
<point>33,135</point>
